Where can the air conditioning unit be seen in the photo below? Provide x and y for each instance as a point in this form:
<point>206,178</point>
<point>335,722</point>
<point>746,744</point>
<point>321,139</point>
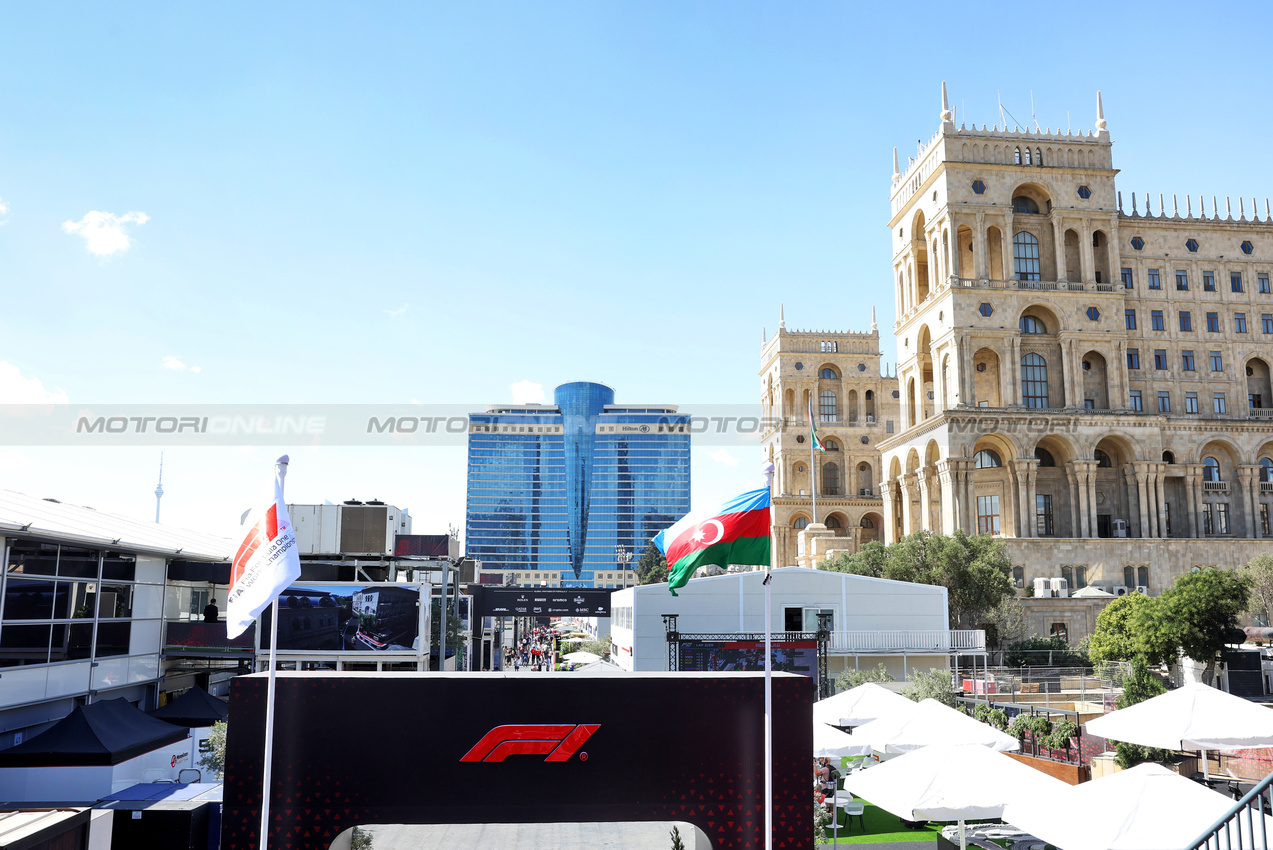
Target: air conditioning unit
<point>870,419</point>
<point>1119,589</point>
<point>1060,587</point>
<point>1119,527</point>
<point>1042,587</point>
<point>865,491</point>
<point>1140,588</point>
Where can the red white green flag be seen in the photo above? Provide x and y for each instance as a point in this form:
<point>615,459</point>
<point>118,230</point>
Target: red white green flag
<point>813,428</point>
<point>736,532</point>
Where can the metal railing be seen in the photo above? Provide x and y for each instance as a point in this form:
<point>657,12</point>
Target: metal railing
<point>1237,827</point>
<point>887,642</point>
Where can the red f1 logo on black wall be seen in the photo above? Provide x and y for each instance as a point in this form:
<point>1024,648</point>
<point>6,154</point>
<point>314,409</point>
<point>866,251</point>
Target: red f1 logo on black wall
<point>557,742</point>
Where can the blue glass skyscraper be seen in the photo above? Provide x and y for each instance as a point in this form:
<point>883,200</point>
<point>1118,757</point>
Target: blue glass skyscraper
<point>554,489</point>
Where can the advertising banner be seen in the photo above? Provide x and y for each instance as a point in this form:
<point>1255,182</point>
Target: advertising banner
<point>715,656</point>
<point>489,748</point>
<point>346,618</point>
<point>537,602</point>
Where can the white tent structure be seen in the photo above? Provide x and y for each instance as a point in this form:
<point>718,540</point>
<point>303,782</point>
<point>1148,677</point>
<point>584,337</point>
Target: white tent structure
<point>1194,717</point>
<point>581,657</point>
<point>832,743</point>
<point>1145,807</point>
<point>931,723</point>
<point>861,705</point>
<point>958,782</point>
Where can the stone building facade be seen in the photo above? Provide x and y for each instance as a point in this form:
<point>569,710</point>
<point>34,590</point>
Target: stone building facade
<point>1074,375</point>
<point>856,407</point>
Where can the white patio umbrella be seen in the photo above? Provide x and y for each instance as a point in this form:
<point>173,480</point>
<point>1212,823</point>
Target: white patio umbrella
<point>861,705</point>
<point>1194,717</point>
<point>581,657</point>
<point>932,723</point>
<point>833,743</point>
<point>952,782</point>
<point>1145,808</point>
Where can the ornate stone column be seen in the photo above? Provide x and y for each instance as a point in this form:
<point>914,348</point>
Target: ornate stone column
<point>1085,251</point>
<point>1160,498</point>
<point>1006,244</point>
<point>1076,522</point>
<point>925,500</point>
<point>981,258</point>
<point>1058,242</point>
<point>947,476</point>
<point>1011,373</point>
<point>1141,499</point>
<point>1078,476</point>
<point>890,511</point>
<point>1191,496</point>
<point>1247,475</point>
<point>1031,475</point>
<point>1091,499</point>
<point>907,488</point>
<point>1021,470</point>
<point>970,501</point>
<point>953,243</point>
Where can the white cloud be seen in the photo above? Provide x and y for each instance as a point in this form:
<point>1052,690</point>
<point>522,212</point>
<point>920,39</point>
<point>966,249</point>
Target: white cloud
<point>4,210</point>
<point>527,392</point>
<point>15,389</point>
<point>12,459</point>
<point>104,233</point>
<point>723,457</point>
<point>176,365</point>
<point>399,311</point>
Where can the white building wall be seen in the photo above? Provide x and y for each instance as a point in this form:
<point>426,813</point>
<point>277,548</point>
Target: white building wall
<point>735,603</point>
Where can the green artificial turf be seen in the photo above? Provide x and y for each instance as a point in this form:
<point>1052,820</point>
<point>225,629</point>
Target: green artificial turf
<point>883,828</point>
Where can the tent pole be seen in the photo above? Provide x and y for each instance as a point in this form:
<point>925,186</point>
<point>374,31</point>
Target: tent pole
<point>769,752</point>
<point>963,836</point>
<point>269,730</point>
<point>1206,768</point>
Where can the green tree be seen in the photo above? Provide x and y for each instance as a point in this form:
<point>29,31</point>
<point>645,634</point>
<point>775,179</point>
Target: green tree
<point>678,843</point>
<point>652,568</point>
<point>1199,615</point>
<point>935,684</point>
<point>1005,624</point>
<point>852,678</point>
<point>213,760</point>
<point>1037,651</point>
<point>1117,637</point>
<point>1138,686</point>
<point>1259,570</point>
<point>361,840</point>
<point>975,571</point>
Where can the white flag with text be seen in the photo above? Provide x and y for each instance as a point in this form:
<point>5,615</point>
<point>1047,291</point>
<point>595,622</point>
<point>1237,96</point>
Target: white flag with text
<point>265,563</point>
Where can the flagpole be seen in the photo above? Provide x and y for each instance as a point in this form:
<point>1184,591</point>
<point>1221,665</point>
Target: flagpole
<point>769,735</point>
<point>269,730</point>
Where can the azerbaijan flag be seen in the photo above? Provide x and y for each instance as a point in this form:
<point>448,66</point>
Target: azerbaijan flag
<point>736,532</point>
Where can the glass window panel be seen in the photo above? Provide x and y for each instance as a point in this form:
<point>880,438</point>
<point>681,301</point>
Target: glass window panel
<point>112,638</point>
<point>28,644</point>
<point>32,558</point>
<point>115,601</point>
<point>77,563</point>
<point>28,599</point>
<point>119,567</point>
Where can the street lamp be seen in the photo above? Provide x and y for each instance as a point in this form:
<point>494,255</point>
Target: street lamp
<point>623,558</point>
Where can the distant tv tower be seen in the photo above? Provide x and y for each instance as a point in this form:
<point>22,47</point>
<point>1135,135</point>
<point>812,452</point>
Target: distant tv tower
<point>159,489</point>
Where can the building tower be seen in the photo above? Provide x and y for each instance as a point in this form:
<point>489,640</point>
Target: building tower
<point>856,407</point>
<point>1081,379</point>
<point>159,488</point>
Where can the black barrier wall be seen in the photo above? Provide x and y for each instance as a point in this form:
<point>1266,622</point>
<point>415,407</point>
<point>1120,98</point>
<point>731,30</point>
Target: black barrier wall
<point>368,748</point>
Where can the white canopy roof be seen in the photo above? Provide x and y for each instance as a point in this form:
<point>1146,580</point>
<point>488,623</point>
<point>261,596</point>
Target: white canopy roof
<point>833,743</point>
<point>860,705</point>
<point>1195,717</point>
<point>581,657</point>
<point>951,782</point>
<point>932,723</point>
<point>1145,808</point>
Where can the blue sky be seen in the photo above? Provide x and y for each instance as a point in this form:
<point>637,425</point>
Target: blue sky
<point>395,202</point>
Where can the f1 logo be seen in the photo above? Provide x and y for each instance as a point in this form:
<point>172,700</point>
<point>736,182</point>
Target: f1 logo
<point>558,742</point>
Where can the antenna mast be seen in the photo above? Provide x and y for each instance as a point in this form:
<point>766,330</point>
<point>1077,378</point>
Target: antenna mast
<point>159,490</point>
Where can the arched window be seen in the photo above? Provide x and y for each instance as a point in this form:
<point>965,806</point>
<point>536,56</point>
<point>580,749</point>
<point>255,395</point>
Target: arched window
<point>1210,469</point>
<point>1038,156</point>
<point>1142,576</point>
<point>1025,255</point>
<point>831,445</point>
<point>828,373</point>
<point>1034,380</point>
<point>1067,573</point>
<point>987,459</point>
<point>832,522</point>
<point>830,479</point>
<point>1028,159</point>
<point>1031,325</point>
<point>867,523</point>
<point>1016,156</point>
<point>1103,460</point>
<point>1168,457</point>
<point>801,522</point>
<point>868,395</point>
<point>1025,204</point>
<point>1266,469</point>
<point>1044,457</point>
<point>827,410</point>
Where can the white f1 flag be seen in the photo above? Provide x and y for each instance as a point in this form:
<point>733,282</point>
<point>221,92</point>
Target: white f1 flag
<point>266,561</point>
